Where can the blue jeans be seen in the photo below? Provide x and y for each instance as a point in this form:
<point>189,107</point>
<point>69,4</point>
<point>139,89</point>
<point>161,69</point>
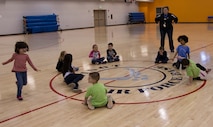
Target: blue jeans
<point>21,80</point>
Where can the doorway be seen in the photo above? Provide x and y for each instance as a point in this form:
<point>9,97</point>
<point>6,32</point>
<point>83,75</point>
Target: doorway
<point>99,18</point>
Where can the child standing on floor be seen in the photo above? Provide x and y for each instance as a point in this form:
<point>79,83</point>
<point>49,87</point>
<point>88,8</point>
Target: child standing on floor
<point>161,56</point>
<point>112,54</point>
<point>96,56</point>
<point>195,71</point>
<point>182,51</point>
<point>96,95</point>
<point>70,77</point>
<point>20,58</point>
<point>60,62</point>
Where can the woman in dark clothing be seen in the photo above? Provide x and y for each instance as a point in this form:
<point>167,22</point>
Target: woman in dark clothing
<point>165,21</point>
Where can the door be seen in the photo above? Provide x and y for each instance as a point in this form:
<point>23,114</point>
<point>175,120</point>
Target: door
<point>99,18</point>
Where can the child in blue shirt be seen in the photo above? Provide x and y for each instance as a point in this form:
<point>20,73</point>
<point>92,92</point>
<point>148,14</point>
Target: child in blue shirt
<point>182,51</point>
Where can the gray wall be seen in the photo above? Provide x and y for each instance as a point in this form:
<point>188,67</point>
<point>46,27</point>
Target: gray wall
<point>72,13</point>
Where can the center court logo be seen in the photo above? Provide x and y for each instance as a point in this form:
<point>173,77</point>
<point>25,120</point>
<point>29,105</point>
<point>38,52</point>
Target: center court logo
<point>140,79</point>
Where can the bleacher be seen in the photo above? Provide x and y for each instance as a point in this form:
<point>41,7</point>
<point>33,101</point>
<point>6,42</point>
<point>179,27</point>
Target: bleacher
<point>210,18</point>
<point>40,23</point>
<point>136,17</point>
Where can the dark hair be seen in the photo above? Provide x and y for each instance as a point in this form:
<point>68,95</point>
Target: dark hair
<point>185,62</point>
<point>166,7</point>
<point>94,75</point>
<point>183,37</point>
<point>110,44</point>
<point>67,64</point>
<point>161,48</point>
<point>94,46</point>
<point>20,45</point>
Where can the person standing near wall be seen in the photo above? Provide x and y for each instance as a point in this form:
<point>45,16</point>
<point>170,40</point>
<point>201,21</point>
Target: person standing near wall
<point>165,21</point>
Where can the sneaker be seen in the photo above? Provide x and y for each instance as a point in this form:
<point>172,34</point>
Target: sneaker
<point>75,68</point>
<point>90,106</point>
<point>208,70</point>
<point>72,85</point>
<point>77,90</point>
<point>104,62</point>
<point>174,64</point>
<point>20,98</point>
<point>110,102</point>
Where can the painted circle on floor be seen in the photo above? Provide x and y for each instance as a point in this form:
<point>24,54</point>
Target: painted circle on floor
<point>140,86</point>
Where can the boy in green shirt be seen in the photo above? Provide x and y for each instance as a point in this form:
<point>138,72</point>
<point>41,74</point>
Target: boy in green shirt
<point>96,95</point>
<point>195,71</point>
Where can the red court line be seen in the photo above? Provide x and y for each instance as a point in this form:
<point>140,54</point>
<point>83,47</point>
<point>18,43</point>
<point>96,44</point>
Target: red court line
<point>8,119</point>
<point>202,47</point>
<point>146,102</point>
<point>66,97</point>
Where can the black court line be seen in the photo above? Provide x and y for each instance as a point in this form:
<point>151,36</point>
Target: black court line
<point>42,107</point>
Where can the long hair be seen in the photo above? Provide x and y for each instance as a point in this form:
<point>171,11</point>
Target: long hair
<point>67,64</point>
<point>62,54</point>
<point>20,45</point>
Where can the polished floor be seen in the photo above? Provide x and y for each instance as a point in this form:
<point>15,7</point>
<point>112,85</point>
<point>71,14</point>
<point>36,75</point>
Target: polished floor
<point>146,94</point>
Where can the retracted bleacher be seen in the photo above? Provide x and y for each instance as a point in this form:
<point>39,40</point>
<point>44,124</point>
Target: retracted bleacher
<point>136,17</point>
<point>40,23</point>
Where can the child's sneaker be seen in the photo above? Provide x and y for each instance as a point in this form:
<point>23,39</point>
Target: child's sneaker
<point>72,85</point>
<point>20,98</point>
<point>104,62</point>
<point>110,102</point>
<point>77,90</point>
<point>75,68</point>
<point>90,106</point>
<point>208,70</point>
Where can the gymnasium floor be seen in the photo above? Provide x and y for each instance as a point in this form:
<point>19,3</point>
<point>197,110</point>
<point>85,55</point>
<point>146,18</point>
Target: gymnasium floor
<point>146,94</point>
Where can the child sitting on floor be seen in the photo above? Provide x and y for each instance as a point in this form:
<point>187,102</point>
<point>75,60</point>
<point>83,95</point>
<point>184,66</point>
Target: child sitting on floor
<point>96,95</point>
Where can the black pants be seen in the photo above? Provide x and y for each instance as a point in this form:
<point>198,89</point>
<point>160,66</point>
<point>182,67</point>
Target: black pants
<point>74,78</point>
<point>170,34</point>
<point>161,59</point>
<point>177,65</point>
<point>201,67</point>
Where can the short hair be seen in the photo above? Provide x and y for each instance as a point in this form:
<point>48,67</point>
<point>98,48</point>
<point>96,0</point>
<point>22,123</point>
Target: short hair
<point>185,62</point>
<point>167,7</point>
<point>94,75</point>
<point>110,44</point>
<point>183,37</point>
<point>21,45</point>
<point>161,48</point>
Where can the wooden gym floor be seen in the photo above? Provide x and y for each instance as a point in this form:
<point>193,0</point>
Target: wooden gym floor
<point>146,94</point>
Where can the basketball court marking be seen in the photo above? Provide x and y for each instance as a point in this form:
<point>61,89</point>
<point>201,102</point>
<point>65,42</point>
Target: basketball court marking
<point>145,102</point>
<point>71,97</point>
